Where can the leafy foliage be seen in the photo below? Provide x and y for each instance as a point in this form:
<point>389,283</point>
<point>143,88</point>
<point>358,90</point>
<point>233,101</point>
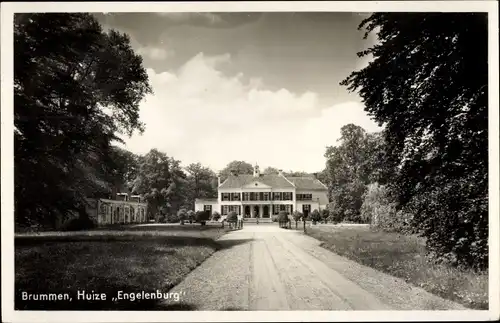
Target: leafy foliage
<point>202,216</point>
<point>359,159</point>
<point>216,216</point>
<point>282,216</point>
<point>238,166</point>
<point>232,217</point>
<point>325,215</point>
<point>379,210</point>
<point>161,181</point>
<point>201,181</point>
<point>297,216</point>
<point>76,88</point>
<point>428,84</point>
<point>182,214</point>
<point>315,216</point>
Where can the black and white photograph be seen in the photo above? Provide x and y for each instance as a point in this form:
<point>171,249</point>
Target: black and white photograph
<point>264,161</point>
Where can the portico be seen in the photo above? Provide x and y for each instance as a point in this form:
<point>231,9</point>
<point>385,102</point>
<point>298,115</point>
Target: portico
<point>257,210</point>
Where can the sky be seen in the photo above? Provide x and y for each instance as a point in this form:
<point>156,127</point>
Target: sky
<point>258,87</point>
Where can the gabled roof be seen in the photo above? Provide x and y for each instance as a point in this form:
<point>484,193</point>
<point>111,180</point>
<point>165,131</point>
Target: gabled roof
<point>307,183</point>
<point>275,181</point>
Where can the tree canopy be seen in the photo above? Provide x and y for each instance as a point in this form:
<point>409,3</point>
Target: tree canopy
<point>428,85</point>
<point>238,166</point>
<point>76,89</point>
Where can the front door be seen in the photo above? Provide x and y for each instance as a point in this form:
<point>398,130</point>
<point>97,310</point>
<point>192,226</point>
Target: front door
<point>256,211</point>
<point>306,209</point>
<point>247,211</point>
<point>266,211</point>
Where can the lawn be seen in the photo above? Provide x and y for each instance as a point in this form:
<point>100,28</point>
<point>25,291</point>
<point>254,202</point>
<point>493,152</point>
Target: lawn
<point>128,259</point>
<point>404,256</point>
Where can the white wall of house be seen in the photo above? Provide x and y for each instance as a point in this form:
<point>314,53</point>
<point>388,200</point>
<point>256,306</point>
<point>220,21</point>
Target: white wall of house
<point>200,205</point>
<point>314,205</point>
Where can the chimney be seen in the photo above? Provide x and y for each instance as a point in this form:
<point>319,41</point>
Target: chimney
<point>280,172</point>
<point>218,180</point>
<point>315,175</point>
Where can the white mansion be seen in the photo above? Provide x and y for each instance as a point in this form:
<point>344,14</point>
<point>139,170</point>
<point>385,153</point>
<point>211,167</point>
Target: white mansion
<point>262,195</point>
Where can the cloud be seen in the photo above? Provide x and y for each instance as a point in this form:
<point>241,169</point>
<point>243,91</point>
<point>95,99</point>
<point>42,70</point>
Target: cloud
<point>155,53</point>
<point>181,17</point>
<point>198,114</point>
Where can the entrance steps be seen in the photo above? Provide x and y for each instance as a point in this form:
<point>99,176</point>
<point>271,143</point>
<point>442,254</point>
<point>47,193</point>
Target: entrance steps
<point>261,220</point>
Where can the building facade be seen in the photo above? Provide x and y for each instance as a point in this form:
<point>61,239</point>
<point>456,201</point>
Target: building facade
<point>125,209</point>
<point>265,195</point>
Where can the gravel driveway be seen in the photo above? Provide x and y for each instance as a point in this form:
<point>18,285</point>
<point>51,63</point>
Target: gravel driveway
<point>263,267</point>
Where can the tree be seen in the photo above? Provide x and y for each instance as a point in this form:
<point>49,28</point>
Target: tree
<point>201,181</point>
<point>240,167</point>
<point>297,174</point>
<point>271,170</point>
<point>76,89</point>
<point>161,181</point>
<point>182,215</point>
<point>428,84</point>
<point>349,169</point>
<point>296,217</point>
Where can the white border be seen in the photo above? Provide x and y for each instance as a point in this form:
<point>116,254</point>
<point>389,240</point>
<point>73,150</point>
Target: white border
<point>7,178</point>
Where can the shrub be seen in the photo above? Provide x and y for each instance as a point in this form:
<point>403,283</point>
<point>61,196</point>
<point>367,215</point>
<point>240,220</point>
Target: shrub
<point>173,218</point>
<point>78,224</point>
<point>380,211</point>
<point>191,216</point>
<point>454,219</point>
<point>216,216</point>
<point>232,217</point>
<point>202,217</point>
<point>335,212</point>
<point>182,214</point>
<point>325,215</point>
<point>297,216</point>
<point>282,218</point>
<point>315,216</point>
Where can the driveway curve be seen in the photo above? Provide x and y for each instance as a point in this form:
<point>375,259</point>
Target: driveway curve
<point>263,267</point>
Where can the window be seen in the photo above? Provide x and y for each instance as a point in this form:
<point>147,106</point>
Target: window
<point>225,209</point>
<point>277,196</point>
<point>246,196</point>
<point>235,196</point>
<point>304,197</point>
<point>225,196</point>
<point>266,196</point>
<point>235,208</point>
<point>289,208</point>
<point>276,209</point>
<point>287,196</point>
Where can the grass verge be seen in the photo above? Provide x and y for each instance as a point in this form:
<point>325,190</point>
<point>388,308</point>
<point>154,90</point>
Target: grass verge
<point>404,257</point>
<point>127,259</point>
